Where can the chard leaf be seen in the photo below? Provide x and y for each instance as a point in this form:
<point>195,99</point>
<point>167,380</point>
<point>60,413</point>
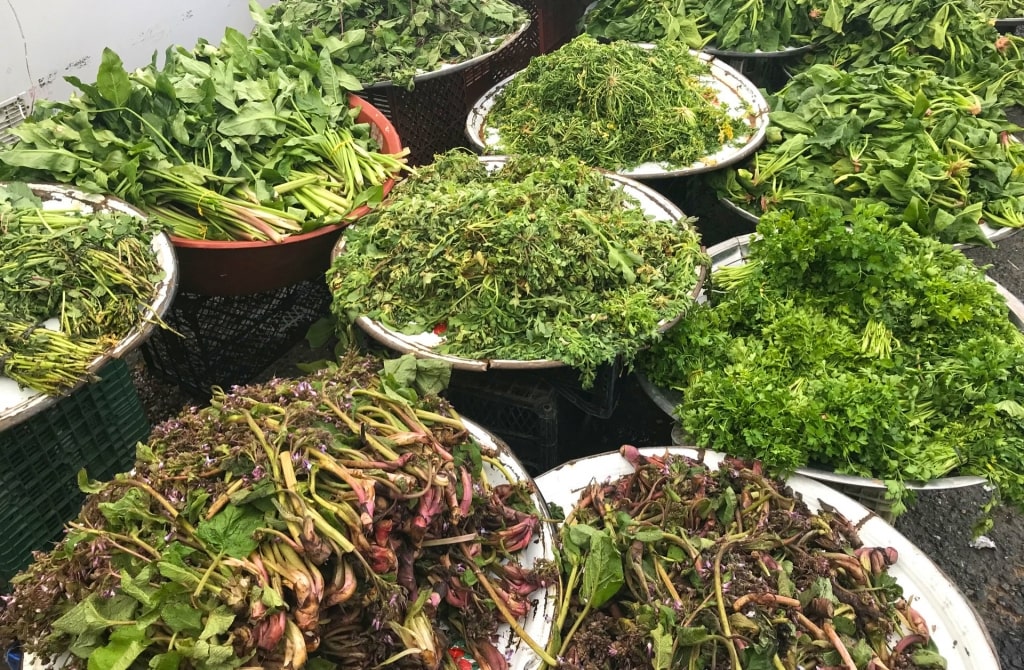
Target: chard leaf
<point>112,81</point>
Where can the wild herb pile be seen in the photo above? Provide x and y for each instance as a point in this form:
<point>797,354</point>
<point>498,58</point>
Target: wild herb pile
<point>614,106</point>
<point>540,259</point>
<point>94,273</point>
<point>677,565</point>
<point>849,344</point>
<point>338,520</point>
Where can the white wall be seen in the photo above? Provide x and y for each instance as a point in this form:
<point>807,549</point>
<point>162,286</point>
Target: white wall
<point>42,41</point>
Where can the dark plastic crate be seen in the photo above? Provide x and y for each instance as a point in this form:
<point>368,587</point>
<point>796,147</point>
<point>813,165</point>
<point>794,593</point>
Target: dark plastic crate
<point>228,340</point>
<point>96,428</point>
<point>557,21</point>
<point>601,399</point>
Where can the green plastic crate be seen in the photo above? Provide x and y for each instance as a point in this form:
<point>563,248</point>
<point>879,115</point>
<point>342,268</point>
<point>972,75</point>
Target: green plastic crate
<point>96,428</point>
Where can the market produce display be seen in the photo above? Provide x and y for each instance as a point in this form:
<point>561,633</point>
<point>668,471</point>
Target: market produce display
<point>940,155</point>
<point>94,274</point>
<point>1002,9</point>
<point>253,139</point>
<point>678,565</point>
<point>540,259</point>
<point>337,520</point>
<point>739,25</point>
<point>850,345</point>
<point>395,41</point>
<point>616,106</point>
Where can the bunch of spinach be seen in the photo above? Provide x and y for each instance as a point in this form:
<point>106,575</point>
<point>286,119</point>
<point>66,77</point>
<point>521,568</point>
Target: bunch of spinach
<point>95,273</point>
<point>738,25</point>
<point>920,142</point>
<point>614,106</point>
<point>395,40</point>
<point>856,346</point>
<point>540,259</point>
<point>336,520</point>
<point>1002,9</point>
<point>251,139</point>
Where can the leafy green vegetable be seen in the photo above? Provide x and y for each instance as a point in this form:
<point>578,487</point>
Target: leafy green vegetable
<point>542,258</point>
<point>1002,9</point>
<point>615,106</point>
<point>851,345</point>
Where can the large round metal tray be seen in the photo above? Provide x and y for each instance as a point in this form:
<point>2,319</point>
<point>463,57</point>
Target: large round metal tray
<point>424,345</point>
<point>498,44</point>
<point>20,404</point>
<point>734,252</point>
<point>958,632</point>
<point>734,90</point>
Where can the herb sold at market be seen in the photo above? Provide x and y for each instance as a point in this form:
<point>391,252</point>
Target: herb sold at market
<point>337,520</point>
<point>1002,9</point>
<point>94,273</point>
<point>847,344</point>
<point>253,139</point>
<point>737,25</point>
<point>614,106</point>
<point>677,565</point>
<point>940,155</point>
<point>389,40</point>
<point>540,259</point>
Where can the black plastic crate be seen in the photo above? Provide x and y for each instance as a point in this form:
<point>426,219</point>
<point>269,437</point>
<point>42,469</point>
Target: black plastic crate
<point>228,340</point>
<point>601,399</point>
<point>96,428</point>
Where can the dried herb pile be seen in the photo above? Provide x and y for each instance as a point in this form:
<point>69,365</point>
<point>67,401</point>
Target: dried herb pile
<point>336,520</point>
<point>541,259</point>
<point>614,106</point>
<point>676,565</point>
<point>392,40</point>
<point>847,344</point>
<point>922,143</point>
<point>95,273</point>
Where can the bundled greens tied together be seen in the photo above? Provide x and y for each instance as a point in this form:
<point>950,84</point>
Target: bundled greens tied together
<point>94,273</point>
<point>335,520</point>
<point>254,139</point>
<point>539,259</point>
<point>941,156</point>
<point>395,40</point>
<point>847,344</point>
<point>615,106</point>
<point>737,25</point>
<point>678,565</point>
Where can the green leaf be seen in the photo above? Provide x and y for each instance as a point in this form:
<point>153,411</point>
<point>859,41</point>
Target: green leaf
<point>57,161</point>
<point>86,485</point>
<point>112,80</point>
<point>167,661</point>
<point>662,642</point>
<point>231,531</point>
<point>602,571</point>
<point>218,622</point>
<point>254,119</point>
<point>182,617</point>
<point>126,644</point>
<point>96,614</point>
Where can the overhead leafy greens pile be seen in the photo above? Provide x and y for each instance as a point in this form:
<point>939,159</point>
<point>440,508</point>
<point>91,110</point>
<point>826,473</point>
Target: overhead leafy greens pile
<point>920,142</point>
<point>252,139</point>
<point>95,273</point>
<point>736,25</point>
<point>540,259</point>
<point>394,40</point>
<point>614,106</point>
<point>678,565</point>
<point>337,520</point>
<point>855,346</point>
<point>1003,9</point>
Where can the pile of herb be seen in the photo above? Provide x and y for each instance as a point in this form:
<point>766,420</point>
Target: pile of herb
<point>95,273</point>
<point>540,259</point>
<point>1002,9</point>
<point>252,140</point>
<point>677,565</point>
<point>855,346</point>
<point>920,142</point>
<point>615,106</point>
<point>338,520</point>
<point>737,25</point>
<point>394,40</point>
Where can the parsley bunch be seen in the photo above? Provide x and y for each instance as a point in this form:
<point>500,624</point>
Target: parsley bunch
<point>849,345</point>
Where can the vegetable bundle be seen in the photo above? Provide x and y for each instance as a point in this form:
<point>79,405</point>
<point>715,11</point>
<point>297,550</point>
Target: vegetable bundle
<point>738,25</point>
<point>252,140</point>
<point>330,521</point>
<point>676,565</point>
<point>95,273</point>
<point>377,40</point>
<point>847,344</point>
<point>920,142</point>
<point>614,106</point>
<point>540,259</point>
